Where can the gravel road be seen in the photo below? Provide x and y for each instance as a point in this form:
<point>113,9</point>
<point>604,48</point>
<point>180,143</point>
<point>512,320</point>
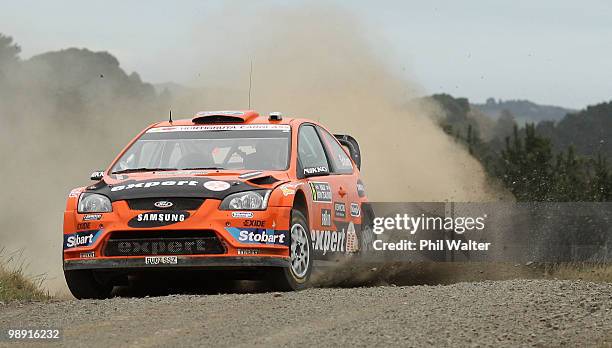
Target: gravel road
<point>490,313</point>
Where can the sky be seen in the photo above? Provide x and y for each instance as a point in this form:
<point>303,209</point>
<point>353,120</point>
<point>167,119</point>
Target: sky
<point>549,51</point>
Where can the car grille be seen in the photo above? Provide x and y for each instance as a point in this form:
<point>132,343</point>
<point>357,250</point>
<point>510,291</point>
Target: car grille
<point>137,243</point>
<point>177,203</point>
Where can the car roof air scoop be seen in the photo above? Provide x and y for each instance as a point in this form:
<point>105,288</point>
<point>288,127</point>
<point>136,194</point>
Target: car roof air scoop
<point>216,117</point>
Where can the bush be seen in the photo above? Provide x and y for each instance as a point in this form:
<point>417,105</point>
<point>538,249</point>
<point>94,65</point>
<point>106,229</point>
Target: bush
<point>14,285</point>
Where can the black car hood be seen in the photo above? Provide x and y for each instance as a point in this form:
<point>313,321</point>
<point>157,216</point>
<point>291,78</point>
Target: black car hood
<point>170,187</point>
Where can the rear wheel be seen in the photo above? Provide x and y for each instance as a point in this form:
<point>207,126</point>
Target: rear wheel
<point>84,285</point>
<point>367,230</point>
<point>297,276</point>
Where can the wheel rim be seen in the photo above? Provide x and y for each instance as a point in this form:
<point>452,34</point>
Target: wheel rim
<point>300,251</point>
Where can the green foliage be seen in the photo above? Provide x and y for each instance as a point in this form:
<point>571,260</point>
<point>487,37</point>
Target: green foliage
<point>9,58</point>
<point>456,116</point>
<point>523,172</point>
<point>9,51</point>
<point>15,286</point>
<point>530,162</point>
<point>601,184</point>
<point>589,131</point>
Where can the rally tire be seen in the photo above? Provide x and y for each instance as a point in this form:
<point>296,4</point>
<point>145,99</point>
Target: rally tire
<point>367,236</point>
<point>84,285</point>
<point>295,277</point>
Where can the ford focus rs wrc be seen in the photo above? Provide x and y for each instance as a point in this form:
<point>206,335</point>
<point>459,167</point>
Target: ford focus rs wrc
<point>267,197</point>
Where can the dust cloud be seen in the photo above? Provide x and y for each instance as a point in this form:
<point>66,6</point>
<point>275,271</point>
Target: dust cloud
<point>316,62</point>
<point>61,120</point>
<point>64,114</point>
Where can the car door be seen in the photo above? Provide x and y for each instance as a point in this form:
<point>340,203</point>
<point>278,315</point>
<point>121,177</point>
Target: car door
<point>347,208</point>
<point>326,189</point>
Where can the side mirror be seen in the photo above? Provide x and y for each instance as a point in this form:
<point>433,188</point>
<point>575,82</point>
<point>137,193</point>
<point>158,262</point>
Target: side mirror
<point>315,171</point>
<point>97,176</point>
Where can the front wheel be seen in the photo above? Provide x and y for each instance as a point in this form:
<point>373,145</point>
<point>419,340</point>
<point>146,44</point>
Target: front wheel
<point>84,285</point>
<point>297,276</point>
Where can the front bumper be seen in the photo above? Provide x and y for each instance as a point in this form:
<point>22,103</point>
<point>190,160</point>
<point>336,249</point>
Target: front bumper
<point>87,242</point>
<point>183,262</point>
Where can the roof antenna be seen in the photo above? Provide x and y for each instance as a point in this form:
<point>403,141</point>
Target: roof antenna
<point>250,83</point>
<point>170,120</point>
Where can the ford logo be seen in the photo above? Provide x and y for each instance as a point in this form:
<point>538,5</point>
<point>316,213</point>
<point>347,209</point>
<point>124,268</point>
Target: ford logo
<point>163,204</point>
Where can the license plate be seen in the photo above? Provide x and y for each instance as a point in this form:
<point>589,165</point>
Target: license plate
<point>161,260</point>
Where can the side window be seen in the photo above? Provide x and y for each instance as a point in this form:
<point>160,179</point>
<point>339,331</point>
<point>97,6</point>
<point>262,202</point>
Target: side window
<point>311,155</point>
<point>141,155</point>
<point>340,161</point>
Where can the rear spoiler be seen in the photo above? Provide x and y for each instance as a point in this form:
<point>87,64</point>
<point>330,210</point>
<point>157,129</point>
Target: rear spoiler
<point>351,144</point>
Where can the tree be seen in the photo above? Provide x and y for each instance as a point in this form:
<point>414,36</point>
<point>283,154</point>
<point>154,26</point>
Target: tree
<point>570,180</point>
<point>601,185</point>
<point>526,166</point>
<point>547,162</point>
<point>504,125</point>
<point>9,51</point>
<point>9,57</point>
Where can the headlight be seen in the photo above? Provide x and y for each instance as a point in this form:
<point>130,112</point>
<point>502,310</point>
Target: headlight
<point>94,203</point>
<point>248,200</point>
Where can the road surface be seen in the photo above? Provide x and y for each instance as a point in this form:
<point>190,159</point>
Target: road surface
<point>488,313</point>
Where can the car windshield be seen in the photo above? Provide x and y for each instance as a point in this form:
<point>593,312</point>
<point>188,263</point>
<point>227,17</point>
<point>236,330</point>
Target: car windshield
<point>236,147</point>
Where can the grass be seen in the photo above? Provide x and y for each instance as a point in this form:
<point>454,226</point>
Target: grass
<point>14,284</point>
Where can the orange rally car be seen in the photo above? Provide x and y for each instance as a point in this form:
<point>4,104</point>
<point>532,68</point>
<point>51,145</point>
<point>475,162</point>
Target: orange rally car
<point>230,190</point>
